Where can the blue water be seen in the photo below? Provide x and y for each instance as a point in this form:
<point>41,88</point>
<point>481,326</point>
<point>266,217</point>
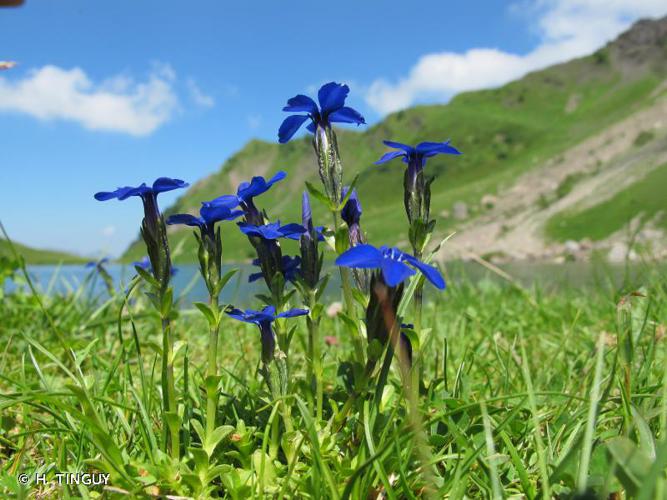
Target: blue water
<point>189,286</point>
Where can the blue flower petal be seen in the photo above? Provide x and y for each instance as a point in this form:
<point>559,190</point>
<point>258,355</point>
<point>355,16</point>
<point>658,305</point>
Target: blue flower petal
<point>187,219</point>
<point>267,231</point>
<point>362,256</point>
<point>127,192</point>
<point>332,96</point>
<point>228,200</point>
<point>389,156</point>
<point>254,277</point>
<point>311,127</point>
<point>293,229</point>
<point>347,115</point>
<point>107,195</point>
<point>237,314</point>
<point>164,184</point>
<point>430,272</point>
<point>399,145</point>
<point>351,212</point>
<point>395,272</point>
<point>215,213</point>
<point>300,103</point>
<point>280,175</point>
<point>293,313</point>
<point>269,311</point>
<point>434,148</point>
<point>289,127</point>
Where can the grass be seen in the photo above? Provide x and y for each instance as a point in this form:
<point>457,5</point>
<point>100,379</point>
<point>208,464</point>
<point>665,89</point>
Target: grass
<point>645,198</point>
<point>524,393</point>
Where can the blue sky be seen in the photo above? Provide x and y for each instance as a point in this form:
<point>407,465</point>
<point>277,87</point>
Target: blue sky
<point>115,93</point>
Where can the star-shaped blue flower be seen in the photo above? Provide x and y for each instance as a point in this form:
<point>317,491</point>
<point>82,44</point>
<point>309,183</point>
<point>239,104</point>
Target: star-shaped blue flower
<point>391,261</point>
<point>265,316</point>
<point>208,216</point>
<point>247,191</point>
<point>416,156</point>
<point>263,320</point>
<point>289,265</point>
<point>161,185</point>
<point>272,231</point>
<point>97,263</point>
<point>332,109</point>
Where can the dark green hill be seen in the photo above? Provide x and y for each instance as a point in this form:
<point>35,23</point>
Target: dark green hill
<point>502,132</point>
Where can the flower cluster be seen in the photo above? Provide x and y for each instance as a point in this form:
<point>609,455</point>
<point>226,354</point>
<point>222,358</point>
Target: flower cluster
<point>381,273</point>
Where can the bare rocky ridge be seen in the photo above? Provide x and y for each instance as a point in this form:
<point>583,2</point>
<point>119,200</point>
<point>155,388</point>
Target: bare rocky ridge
<point>608,162</point>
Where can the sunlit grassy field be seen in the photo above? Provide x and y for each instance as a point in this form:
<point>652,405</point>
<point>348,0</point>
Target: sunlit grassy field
<point>525,392</point>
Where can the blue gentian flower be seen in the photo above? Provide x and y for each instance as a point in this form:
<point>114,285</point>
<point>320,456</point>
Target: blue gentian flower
<point>147,194</point>
<point>351,212</point>
<point>97,263</point>
<point>153,229</point>
<point>272,231</point>
<point>245,194</point>
<point>392,262</point>
<point>311,258</point>
<point>332,109</point>
<point>417,155</point>
<point>145,264</point>
<point>263,320</point>
<point>290,268</point>
<point>209,214</point>
<point>161,185</point>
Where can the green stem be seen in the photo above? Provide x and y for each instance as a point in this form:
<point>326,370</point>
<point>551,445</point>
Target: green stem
<point>212,372</point>
<point>315,345</point>
<point>346,283</point>
<point>169,388</point>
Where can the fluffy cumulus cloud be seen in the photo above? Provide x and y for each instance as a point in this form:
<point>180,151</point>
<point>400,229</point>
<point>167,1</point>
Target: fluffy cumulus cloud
<point>567,29</point>
<point>118,104</point>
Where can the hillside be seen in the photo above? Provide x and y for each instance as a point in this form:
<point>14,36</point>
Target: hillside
<point>38,256</point>
<point>541,152</point>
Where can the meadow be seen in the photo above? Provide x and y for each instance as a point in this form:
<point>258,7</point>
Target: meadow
<point>483,390</point>
<point>524,392</point>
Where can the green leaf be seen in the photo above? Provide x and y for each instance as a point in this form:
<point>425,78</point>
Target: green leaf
<point>632,462</point>
<point>147,277</point>
<point>206,310</point>
<point>196,425</point>
<point>225,278</point>
<point>216,436</point>
<point>319,196</point>
<point>200,457</point>
<point>167,302</point>
<point>173,421</point>
<point>350,324</point>
<point>342,239</point>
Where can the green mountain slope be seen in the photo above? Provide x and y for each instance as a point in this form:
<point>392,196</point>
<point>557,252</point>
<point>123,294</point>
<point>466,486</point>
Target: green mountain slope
<point>38,256</point>
<point>502,132</point>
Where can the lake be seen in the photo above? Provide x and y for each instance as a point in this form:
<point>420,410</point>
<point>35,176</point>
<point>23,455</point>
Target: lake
<point>190,287</point>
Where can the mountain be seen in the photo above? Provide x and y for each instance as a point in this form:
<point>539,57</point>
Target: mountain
<point>39,256</point>
<point>576,152</point>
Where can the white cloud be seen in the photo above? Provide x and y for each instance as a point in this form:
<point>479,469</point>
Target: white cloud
<point>108,231</point>
<point>567,29</point>
<point>254,120</point>
<point>117,104</point>
<point>198,96</point>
